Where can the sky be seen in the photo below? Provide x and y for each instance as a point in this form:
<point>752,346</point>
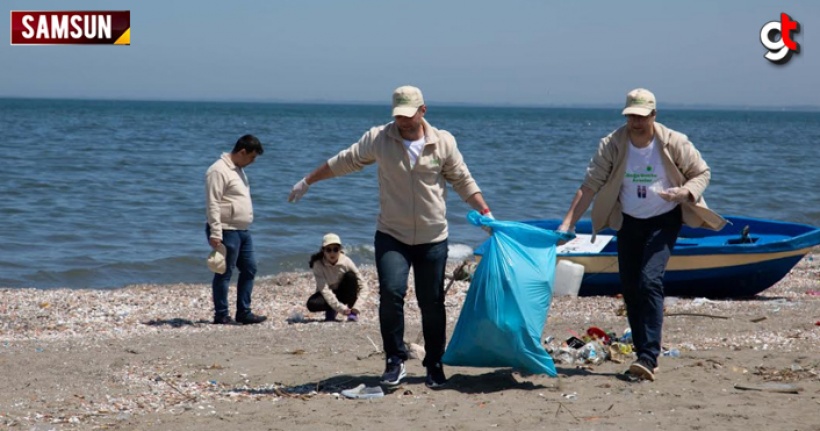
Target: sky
<point>511,52</point>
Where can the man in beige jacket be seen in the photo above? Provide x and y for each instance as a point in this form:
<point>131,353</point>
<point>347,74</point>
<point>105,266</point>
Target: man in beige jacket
<point>646,180</point>
<point>415,163</point>
<point>229,212</point>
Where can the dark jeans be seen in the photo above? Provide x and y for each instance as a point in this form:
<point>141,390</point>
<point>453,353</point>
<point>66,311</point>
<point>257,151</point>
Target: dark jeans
<point>393,262</point>
<point>644,247</point>
<point>239,247</point>
<point>347,293</point>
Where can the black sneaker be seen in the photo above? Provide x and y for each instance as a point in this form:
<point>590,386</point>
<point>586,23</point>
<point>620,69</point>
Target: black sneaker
<point>250,319</point>
<point>435,376</point>
<point>224,320</point>
<point>393,372</point>
<point>642,369</point>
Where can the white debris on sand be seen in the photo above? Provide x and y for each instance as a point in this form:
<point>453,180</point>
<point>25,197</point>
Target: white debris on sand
<point>87,314</point>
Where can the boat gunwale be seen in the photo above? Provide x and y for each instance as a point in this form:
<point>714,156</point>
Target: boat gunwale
<point>805,240</point>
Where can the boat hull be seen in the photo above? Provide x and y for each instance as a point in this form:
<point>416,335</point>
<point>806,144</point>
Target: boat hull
<point>729,280</point>
<point>704,263</point>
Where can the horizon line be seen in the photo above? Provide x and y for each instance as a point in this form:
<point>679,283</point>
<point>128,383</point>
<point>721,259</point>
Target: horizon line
<point>673,106</point>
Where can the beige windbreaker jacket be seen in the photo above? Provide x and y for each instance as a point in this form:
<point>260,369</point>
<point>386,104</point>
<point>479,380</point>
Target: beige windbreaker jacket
<point>329,276</point>
<point>228,203</point>
<point>684,167</point>
<point>412,200</point>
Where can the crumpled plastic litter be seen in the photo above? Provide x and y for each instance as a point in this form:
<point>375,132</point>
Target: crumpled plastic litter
<point>363,392</point>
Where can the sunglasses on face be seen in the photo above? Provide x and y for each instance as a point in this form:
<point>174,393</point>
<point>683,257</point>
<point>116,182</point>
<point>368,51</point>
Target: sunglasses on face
<point>334,249</point>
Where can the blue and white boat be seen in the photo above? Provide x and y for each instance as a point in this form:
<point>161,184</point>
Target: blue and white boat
<point>743,259</point>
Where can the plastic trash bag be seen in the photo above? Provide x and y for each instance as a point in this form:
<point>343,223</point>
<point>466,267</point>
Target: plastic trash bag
<point>508,300</point>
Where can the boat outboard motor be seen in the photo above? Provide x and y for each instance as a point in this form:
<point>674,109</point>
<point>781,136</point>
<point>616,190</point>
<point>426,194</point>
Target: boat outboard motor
<point>744,236</point>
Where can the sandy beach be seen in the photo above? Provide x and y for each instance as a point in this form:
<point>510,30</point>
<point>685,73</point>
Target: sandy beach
<point>146,357</point>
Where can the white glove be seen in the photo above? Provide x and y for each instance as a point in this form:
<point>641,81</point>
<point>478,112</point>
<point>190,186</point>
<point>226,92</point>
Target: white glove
<point>299,190</point>
<point>488,229</point>
<point>675,194</point>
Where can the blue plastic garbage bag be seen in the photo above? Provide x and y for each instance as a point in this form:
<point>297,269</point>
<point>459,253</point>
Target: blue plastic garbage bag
<point>508,300</point>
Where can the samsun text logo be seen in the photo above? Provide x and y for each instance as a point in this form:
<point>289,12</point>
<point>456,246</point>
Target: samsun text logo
<point>71,27</point>
<point>776,36</point>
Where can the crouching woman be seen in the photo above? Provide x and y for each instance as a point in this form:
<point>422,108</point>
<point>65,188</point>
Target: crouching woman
<point>339,284</point>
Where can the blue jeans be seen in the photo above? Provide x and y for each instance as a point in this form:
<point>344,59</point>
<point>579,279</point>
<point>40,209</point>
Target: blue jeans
<point>393,262</point>
<point>644,248</point>
<point>239,247</point>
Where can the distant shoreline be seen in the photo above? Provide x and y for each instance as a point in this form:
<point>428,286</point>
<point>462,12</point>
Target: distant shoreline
<point>667,106</point>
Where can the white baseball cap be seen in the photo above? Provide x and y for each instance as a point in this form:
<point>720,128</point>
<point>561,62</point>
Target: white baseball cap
<point>216,260</point>
<point>406,101</point>
<point>331,238</point>
<point>639,101</point>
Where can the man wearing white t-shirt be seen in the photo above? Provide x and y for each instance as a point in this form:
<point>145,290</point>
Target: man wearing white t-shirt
<point>646,180</point>
<point>415,161</point>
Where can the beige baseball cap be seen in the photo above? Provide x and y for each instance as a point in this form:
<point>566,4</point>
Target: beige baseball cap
<point>639,101</point>
<point>216,260</point>
<point>331,238</point>
<point>406,101</point>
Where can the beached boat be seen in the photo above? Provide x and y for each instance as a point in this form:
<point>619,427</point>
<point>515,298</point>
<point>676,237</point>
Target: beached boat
<point>741,260</point>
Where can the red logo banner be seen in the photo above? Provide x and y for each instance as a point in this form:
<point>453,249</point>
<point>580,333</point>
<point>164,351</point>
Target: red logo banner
<point>83,27</point>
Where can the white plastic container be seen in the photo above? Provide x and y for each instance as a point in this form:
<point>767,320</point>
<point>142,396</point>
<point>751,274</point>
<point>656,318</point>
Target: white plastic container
<point>568,277</point>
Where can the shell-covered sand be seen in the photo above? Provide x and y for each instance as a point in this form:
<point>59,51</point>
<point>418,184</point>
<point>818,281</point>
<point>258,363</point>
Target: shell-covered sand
<point>146,357</point>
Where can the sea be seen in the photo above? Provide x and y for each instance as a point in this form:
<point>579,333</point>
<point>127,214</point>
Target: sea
<point>106,194</point>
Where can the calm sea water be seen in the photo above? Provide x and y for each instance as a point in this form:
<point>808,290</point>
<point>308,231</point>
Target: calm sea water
<point>103,194</point>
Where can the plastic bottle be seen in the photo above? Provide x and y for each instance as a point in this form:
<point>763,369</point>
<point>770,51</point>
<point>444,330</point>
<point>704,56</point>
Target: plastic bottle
<point>565,355</point>
<point>672,353</point>
<point>627,337</point>
<point>593,353</point>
